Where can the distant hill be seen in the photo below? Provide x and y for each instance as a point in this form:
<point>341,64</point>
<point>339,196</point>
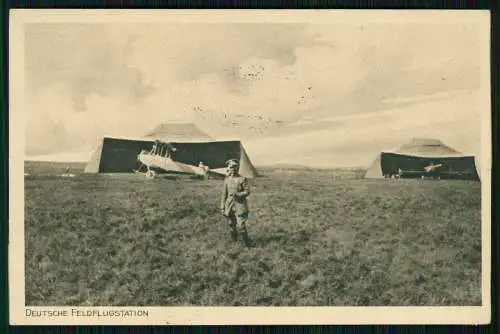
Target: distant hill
<point>299,167</point>
<point>289,166</point>
<point>49,167</point>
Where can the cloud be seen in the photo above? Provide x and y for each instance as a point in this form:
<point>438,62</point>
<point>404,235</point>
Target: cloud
<point>356,139</point>
<point>234,80</point>
<point>403,61</point>
<point>89,59</point>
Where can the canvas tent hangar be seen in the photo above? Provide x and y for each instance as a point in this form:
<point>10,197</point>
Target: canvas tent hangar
<point>120,155</point>
<point>412,157</point>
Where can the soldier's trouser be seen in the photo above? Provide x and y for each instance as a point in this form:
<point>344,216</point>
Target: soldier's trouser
<point>238,223</point>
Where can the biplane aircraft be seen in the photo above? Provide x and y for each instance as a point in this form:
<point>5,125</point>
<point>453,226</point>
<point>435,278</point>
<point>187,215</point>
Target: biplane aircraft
<point>160,160</point>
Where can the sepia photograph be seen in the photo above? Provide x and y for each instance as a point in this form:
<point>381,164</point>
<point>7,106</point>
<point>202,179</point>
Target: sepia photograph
<point>249,159</point>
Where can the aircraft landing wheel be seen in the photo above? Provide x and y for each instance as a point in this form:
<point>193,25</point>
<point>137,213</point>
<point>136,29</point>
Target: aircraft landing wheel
<point>150,174</point>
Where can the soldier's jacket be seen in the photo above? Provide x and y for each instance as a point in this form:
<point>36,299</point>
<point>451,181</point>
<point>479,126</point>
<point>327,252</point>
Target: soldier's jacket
<point>234,195</point>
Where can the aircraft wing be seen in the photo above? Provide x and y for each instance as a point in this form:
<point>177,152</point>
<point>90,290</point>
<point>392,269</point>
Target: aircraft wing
<point>169,165</point>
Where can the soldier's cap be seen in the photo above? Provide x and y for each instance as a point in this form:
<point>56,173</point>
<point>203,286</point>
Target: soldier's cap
<point>232,163</point>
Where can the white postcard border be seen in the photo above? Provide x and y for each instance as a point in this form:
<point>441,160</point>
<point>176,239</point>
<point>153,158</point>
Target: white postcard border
<point>23,315</point>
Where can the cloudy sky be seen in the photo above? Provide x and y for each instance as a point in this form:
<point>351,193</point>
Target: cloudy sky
<point>326,94</point>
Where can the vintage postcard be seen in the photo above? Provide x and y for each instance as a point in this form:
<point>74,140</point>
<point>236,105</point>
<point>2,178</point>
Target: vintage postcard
<point>249,167</point>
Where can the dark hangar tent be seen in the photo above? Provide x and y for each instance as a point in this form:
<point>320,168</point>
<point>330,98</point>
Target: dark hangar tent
<point>412,157</point>
<point>119,155</point>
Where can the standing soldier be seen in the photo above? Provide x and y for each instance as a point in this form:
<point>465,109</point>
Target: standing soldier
<point>154,150</point>
<point>204,170</point>
<point>234,202</point>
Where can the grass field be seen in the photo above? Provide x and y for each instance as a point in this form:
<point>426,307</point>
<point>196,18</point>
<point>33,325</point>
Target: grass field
<point>318,240</point>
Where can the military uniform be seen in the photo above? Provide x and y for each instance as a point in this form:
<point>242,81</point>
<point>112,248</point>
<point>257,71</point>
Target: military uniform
<point>234,205</point>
